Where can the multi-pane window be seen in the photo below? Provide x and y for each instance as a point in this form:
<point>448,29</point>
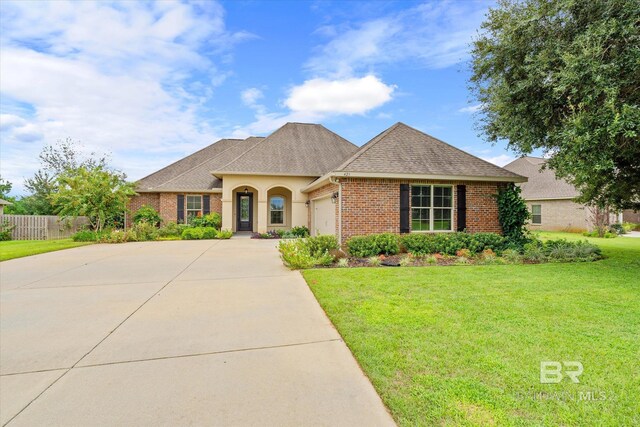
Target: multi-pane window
<point>276,210</point>
<point>536,214</point>
<point>431,208</point>
<point>194,206</point>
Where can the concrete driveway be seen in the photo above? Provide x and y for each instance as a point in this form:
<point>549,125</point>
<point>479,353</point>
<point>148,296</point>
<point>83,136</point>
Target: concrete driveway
<point>172,333</point>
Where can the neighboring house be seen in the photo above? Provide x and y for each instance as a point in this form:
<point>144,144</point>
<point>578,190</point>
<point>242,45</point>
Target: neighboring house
<point>3,203</point>
<point>401,181</point>
<point>551,200</point>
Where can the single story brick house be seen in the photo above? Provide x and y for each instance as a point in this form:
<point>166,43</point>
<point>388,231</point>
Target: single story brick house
<point>401,181</point>
<point>550,199</point>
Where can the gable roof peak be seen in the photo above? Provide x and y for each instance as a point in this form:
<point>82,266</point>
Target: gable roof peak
<point>403,149</point>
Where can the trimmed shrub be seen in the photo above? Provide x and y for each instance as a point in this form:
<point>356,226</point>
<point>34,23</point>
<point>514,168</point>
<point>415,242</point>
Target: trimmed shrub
<point>373,245</point>
<point>300,231</point>
<point>87,236</point>
<point>296,254</point>
<point>212,219</point>
<point>362,246</point>
<point>224,234</point>
<point>451,243</point>
<point>321,245</point>
<point>386,243</point>
<point>199,233</point>
<point>147,214</point>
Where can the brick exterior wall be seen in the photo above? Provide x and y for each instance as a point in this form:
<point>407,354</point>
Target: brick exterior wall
<point>167,204</point>
<point>319,193</point>
<point>373,205</point>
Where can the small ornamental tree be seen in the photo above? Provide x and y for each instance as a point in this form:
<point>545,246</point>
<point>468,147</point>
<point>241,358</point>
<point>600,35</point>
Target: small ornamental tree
<point>512,214</point>
<point>99,194</point>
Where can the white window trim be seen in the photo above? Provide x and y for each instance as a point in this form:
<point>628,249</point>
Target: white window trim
<point>284,211</point>
<point>431,208</point>
<point>540,214</point>
<point>186,204</point>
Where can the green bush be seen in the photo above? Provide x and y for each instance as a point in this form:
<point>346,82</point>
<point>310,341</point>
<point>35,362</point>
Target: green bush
<point>118,236</point>
<point>512,256</point>
<point>386,243</point>
<point>300,231</point>
<point>5,230</point>
<point>321,245</point>
<point>617,229</point>
<point>373,245</point>
<point>362,246</point>
<point>224,234</point>
<point>172,229</point>
<point>87,236</point>
<point>451,243</point>
<point>199,233</point>
<point>144,232</point>
<point>565,251</point>
<point>212,219</point>
<point>147,214</point>
<point>296,254</point>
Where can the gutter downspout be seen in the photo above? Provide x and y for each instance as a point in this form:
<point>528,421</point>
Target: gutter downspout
<point>333,180</point>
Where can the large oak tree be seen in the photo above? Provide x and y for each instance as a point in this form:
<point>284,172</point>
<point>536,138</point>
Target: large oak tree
<point>563,76</point>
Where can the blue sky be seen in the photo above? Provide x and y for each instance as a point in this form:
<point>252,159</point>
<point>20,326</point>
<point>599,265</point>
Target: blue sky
<point>150,82</point>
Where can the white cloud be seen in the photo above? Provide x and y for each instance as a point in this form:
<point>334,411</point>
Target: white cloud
<point>130,78</point>
<point>251,96</point>
<point>432,35</point>
<point>500,160</point>
<point>346,96</point>
<point>470,109</point>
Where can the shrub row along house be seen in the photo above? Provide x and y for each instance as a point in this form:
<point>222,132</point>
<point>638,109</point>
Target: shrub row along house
<point>401,181</point>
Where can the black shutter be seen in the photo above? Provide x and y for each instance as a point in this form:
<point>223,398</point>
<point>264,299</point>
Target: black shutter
<point>462,207</point>
<point>205,205</point>
<point>180,208</point>
<point>404,208</point>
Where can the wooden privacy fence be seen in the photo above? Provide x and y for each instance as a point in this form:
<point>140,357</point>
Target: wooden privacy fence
<point>43,227</point>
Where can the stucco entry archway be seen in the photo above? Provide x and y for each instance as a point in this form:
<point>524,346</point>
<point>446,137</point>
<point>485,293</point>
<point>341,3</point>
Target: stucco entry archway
<point>264,187</point>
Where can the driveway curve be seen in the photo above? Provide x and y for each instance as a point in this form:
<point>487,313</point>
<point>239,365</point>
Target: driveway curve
<point>172,333</point>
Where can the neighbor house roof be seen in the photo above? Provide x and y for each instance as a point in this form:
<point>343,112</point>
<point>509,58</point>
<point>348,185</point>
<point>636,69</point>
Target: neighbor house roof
<point>5,202</point>
<point>194,171</point>
<point>299,149</point>
<point>542,184</point>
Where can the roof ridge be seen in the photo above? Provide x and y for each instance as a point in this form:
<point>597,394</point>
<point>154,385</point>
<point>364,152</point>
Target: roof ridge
<point>373,141</point>
<point>264,138</point>
<point>192,154</point>
<point>205,161</point>
<point>332,132</point>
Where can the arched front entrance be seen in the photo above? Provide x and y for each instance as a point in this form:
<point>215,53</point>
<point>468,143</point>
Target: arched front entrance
<point>245,208</point>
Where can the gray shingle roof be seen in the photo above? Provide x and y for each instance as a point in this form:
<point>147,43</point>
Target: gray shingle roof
<point>542,184</point>
<point>194,171</point>
<point>301,149</point>
<point>402,149</point>
<point>5,202</point>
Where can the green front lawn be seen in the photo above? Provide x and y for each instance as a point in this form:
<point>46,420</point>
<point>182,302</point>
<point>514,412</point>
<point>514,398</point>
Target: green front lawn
<point>462,345</point>
<point>21,248</point>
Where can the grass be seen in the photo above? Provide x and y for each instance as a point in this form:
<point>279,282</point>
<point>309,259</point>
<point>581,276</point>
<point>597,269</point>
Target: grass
<point>21,248</point>
<point>463,345</point>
